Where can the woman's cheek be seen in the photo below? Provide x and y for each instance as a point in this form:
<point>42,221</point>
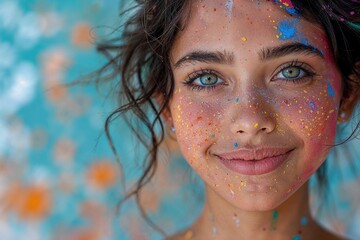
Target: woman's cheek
<point>313,118</point>
<point>196,125</point>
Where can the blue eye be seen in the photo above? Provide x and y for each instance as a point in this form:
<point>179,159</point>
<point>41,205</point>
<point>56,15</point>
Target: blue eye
<point>203,80</point>
<point>208,79</point>
<point>294,72</point>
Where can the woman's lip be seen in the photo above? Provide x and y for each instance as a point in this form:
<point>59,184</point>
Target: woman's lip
<point>256,165</point>
<point>253,153</point>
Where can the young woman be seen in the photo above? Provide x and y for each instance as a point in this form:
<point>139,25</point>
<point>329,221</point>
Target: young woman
<point>253,92</point>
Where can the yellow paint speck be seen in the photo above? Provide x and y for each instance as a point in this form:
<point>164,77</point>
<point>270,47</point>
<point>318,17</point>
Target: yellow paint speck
<point>244,39</point>
<point>256,125</point>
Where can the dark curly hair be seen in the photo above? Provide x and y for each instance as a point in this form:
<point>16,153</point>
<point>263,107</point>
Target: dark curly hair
<point>138,61</point>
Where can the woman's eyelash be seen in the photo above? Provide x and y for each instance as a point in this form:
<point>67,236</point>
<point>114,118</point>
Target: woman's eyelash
<point>196,76</point>
<point>189,82</point>
<point>300,65</point>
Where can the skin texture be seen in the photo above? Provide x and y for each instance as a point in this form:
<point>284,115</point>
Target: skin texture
<point>253,106</point>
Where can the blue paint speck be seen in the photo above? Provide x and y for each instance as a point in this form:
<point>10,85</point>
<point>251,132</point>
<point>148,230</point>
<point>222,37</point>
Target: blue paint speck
<point>229,6</point>
<point>287,29</point>
<point>312,105</point>
<point>303,221</point>
<point>237,100</point>
<point>331,91</point>
<point>236,145</point>
<point>296,237</point>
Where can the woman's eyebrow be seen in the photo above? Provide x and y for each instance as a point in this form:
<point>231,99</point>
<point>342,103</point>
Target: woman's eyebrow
<point>264,54</point>
<point>287,49</point>
<point>206,57</point>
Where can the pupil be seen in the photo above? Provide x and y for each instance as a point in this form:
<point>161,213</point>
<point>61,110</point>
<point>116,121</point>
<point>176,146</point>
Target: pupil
<point>292,72</point>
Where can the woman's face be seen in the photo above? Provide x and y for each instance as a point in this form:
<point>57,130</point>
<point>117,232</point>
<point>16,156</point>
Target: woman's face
<point>256,99</point>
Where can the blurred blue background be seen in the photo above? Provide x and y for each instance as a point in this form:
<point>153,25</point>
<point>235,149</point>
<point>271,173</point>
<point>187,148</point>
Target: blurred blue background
<point>58,176</point>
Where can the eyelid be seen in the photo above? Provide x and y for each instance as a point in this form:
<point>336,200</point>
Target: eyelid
<point>302,65</point>
<point>194,75</point>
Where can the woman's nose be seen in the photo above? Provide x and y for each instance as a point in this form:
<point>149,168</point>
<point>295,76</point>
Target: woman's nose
<point>252,116</point>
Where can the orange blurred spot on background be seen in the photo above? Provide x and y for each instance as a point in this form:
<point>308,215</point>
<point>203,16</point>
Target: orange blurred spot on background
<point>28,202</point>
<point>103,174</point>
<point>57,93</point>
<point>54,64</point>
<point>82,35</point>
<point>77,234</point>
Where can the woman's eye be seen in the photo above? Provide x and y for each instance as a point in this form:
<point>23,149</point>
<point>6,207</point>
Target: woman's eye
<point>207,80</point>
<point>203,80</point>
<point>292,73</point>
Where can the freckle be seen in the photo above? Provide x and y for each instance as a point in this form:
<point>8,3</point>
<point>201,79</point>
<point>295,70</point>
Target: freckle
<point>214,9</point>
<point>199,118</point>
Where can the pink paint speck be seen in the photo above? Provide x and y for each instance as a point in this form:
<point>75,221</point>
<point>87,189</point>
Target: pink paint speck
<point>288,3</point>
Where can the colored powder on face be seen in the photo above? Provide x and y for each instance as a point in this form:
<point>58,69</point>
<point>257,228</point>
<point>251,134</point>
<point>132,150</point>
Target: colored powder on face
<point>287,29</point>
<point>296,237</point>
<point>288,3</point>
<point>288,6</point>
<point>274,220</point>
<point>331,91</point>
<point>303,221</point>
<point>275,215</point>
<point>229,6</point>
<point>312,106</point>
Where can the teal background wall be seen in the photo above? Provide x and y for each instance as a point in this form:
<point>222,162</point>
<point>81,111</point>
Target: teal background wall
<point>58,176</point>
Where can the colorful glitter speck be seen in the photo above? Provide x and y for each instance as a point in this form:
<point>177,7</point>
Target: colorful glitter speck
<point>236,145</point>
<point>288,6</point>
<point>274,220</point>
<point>229,6</point>
<point>303,221</point>
<point>312,105</point>
<point>331,91</point>
<point>296,237</point>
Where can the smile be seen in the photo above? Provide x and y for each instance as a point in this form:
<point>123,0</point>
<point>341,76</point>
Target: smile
<point>254,161</point>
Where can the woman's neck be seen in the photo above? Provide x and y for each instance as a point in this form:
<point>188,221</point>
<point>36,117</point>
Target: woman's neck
<point>291,220</point>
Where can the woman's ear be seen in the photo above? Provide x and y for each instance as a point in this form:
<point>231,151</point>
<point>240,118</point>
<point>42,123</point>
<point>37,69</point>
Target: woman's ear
<point>351,97</point>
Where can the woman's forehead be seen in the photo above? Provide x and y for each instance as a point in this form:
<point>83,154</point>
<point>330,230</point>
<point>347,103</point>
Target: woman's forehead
<point>212,24</point>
